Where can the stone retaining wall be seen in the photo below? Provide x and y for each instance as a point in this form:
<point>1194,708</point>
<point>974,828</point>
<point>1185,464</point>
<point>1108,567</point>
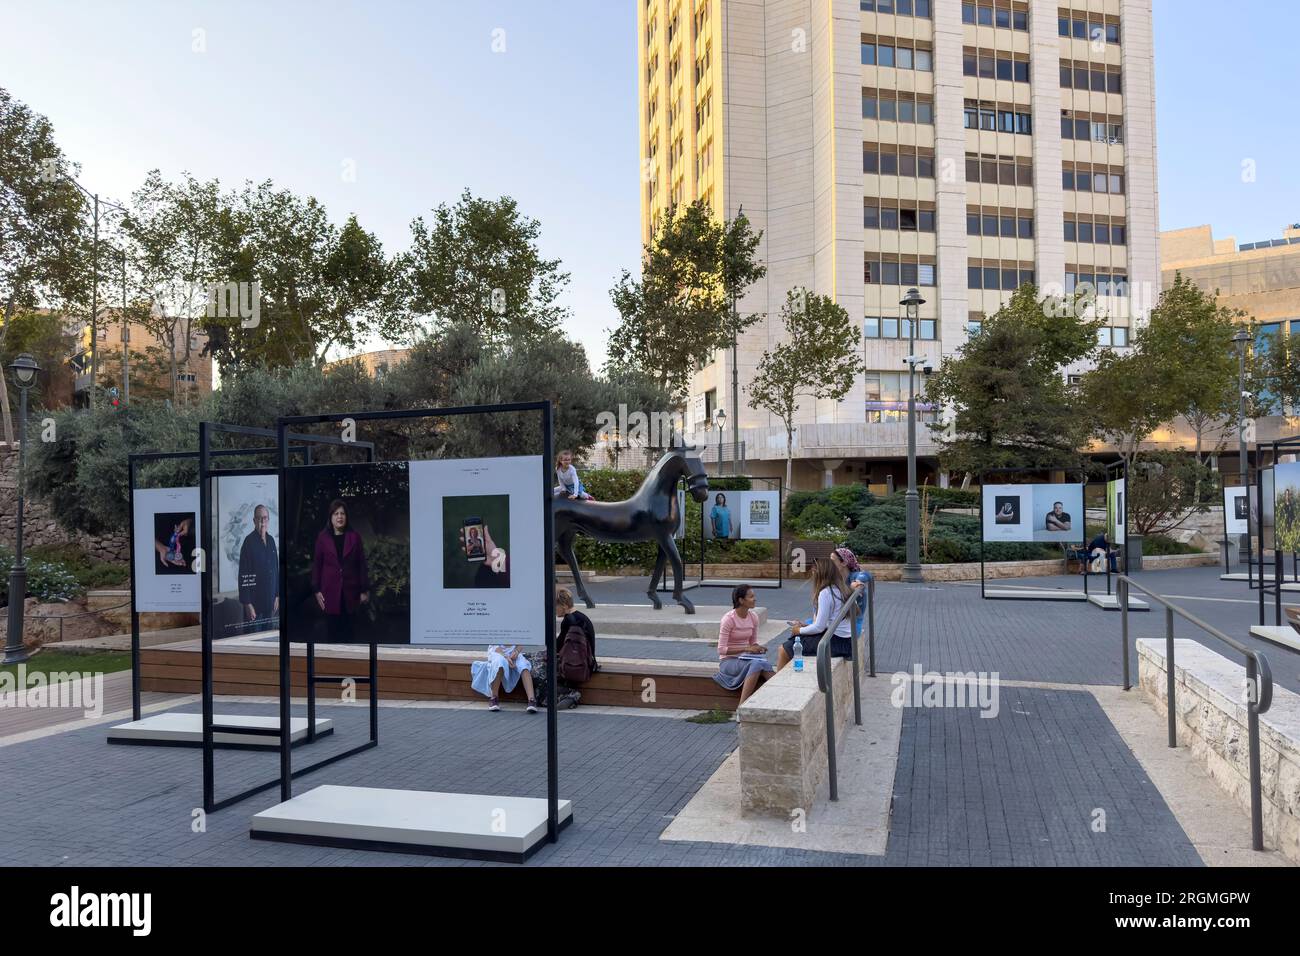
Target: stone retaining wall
<point>1210,716</point>
<point>39,526</point>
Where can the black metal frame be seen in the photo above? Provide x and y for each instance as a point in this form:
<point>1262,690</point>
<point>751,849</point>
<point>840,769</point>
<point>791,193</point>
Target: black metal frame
<point>134,460</point>
<point>544,409</point>
<point>1034,471</point>
<point>206,472</point>
<point>1279,446</point>
<point>780,536</point>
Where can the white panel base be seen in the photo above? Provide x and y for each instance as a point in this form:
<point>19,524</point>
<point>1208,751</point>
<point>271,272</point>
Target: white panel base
<point>1031,593</point>
<point>187,729</point>
<point>1284,635</point>
<point>411,821</point>
<point>1110,602</point>
<point>1268,579</point>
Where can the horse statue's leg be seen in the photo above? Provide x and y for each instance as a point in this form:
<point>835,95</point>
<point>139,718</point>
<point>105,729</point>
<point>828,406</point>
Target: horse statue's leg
<point>655,578</point>
<point>668,545</point>
<point>564,544</point>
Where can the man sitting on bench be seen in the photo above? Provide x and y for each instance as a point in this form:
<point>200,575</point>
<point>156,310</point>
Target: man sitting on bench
<point>1098,548</point>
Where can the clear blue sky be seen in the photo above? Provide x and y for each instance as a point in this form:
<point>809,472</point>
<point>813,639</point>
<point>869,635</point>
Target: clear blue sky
<point>414,94</point>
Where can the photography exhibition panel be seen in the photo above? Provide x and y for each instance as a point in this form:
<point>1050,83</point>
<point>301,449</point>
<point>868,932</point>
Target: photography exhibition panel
<point>420,552</point>
<point>165,535</point>
<point>1033,512</point>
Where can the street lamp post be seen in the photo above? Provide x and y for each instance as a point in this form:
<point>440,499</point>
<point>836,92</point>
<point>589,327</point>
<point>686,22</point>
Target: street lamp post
<point>721,416</point>
<point>912,302</point>
<point>1241,338</point>
<point>23,369</point>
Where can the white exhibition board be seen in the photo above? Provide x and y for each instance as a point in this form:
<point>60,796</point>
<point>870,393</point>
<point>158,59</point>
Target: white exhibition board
<point>1033,512</point>
<point>760,514</point>
<point>235,498</point>
<point>741,515</point>
<point>1236,510</point>
<point>496,600</point>
<point>165,533</point>
<point>1116,510</point>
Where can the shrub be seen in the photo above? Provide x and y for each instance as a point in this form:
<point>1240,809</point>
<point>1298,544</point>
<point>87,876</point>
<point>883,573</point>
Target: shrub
<point>47,581</point>
<point>1163,544</point>
<point>89,572</point>
<point>816,515</point>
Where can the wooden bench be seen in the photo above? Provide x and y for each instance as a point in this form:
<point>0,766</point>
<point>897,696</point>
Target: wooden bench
<point>422,674</point>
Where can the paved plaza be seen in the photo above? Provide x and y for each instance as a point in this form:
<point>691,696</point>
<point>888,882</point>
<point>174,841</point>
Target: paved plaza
<point>1020,788</point>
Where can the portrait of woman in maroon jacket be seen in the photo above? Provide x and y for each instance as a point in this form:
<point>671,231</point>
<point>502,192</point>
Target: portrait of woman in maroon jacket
<point>339,578</point>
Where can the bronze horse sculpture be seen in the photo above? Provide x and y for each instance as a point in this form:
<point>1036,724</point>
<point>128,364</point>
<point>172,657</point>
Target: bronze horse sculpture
<point>649,515</point>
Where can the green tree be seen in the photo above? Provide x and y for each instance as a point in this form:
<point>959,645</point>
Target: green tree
<point>1188,349</point>
<point>172,239</point>
<point>321,285</point>
<point>682,308</point>
<point>1121,404</point>
<point>1006,388</point>
<point>1165,488</point>
<point>1274,376</point>
<point>43,256</point>
<point>478,264</point>
<point>817,360</point>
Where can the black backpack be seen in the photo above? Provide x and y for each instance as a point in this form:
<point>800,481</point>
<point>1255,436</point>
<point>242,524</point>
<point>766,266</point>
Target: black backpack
<point>575,661</point>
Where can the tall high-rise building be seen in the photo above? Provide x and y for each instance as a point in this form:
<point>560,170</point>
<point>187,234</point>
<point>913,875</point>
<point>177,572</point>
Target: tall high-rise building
<point>961,148</point>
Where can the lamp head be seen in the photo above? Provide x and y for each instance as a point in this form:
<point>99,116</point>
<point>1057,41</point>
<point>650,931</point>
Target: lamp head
<point>24,369</point>
<point>912,301</point>
<point>1242,336</point>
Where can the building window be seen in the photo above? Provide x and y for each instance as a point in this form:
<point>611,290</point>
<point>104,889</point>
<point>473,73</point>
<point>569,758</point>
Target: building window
<point>877,52</point>
<point>982,116</point>
<point>1083,76</point>
<point>989,66</point>
<point>994,276</point>
<point>903,8</point>
<point>898,270</point>
<point>886,327</point>
<point>891,217</point>
<point>897,107</point>
<point>1095,127</point>
<point>1078,26</point>
<point>1100,230</point>
<point>989,16</point>
<point>886,398</point>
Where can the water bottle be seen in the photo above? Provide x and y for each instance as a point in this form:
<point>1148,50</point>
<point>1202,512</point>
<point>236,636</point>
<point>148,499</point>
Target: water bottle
<point>798,655</point>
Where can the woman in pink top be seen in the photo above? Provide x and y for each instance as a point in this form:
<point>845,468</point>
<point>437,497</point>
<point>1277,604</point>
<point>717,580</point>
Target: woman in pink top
<point>742,661</point>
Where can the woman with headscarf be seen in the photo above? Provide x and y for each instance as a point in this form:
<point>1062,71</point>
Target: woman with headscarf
<point>339,577</point>
<point>853,575</point>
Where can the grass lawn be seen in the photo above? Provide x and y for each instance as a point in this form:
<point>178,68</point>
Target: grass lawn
<point>49,661</point>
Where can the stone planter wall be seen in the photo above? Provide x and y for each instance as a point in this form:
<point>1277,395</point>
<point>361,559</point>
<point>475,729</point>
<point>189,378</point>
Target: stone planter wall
<point>783,738</point>
<point>1210,715</point>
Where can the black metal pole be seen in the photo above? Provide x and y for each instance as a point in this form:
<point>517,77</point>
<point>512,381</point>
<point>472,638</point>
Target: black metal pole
<point>205,621</point>
<point>15,653</point>
<point>286,689</point>
<point>1252,732</point>
<point>1169,676</point>
<point>135,615</point>
<point>311,690</point>
<point>1123,629</point>
<point>374,692</point>
<point>548,583</point>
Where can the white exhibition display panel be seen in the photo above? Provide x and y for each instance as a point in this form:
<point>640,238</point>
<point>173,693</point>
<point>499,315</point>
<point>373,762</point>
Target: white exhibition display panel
<point>166,517</point>
<point>497,600</point>
<point>1236,510</point>
<point>1025,512</point>
<point>760,515</point>
<point>234,499</point>
<point>1116,510</point>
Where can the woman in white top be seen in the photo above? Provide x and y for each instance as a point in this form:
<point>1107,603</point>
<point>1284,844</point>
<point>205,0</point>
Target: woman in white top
<point>829,595</point>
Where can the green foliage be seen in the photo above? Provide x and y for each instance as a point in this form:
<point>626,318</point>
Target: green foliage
<point>818,359</point>
<point>47,581</point>
<point>816,515</point>
<point>388,562</point>
<point>882,534</point>
<point>1158,544</point>
<point>679,311</point>
<point>90,573</point>
<point>714,716</point>
<point>596,555</point>
<point>1007,388</point>
<point>1286,520</point>
<point>1165,488</point>
<point>477,264</point>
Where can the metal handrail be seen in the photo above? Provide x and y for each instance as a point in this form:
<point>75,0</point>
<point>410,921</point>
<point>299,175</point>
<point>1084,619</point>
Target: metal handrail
<point>824,683</point>
<point>1259,687</point>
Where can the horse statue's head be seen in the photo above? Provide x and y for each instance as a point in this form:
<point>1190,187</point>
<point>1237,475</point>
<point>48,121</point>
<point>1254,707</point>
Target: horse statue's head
<point>676,463</point>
